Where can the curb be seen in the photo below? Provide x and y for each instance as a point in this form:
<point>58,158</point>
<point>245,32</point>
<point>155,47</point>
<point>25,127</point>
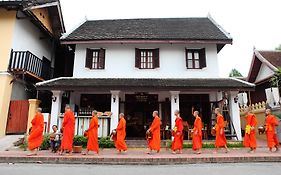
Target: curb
<point>137,161</point>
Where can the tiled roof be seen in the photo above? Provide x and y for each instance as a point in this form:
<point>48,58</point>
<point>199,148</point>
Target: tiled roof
<point>274,57</point>
<point>149,29</point>
<point>69,83</point>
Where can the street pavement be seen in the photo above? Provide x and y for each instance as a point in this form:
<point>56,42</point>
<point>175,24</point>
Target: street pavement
<point>210,169</point>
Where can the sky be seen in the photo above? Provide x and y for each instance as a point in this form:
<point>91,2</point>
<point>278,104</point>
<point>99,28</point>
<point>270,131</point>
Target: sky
<point>251,23</point>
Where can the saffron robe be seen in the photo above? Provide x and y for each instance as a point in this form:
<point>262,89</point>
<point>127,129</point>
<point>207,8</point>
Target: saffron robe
<point>155,141</point>
<point>68,131</point>
<point>93,142</point>
<point>197,134</point>
<point>178,137</point>
<point>270,123</point>
<point>35,138</point>
<point>220,137</point>
<point>250,138</point>
<point>121,135</point>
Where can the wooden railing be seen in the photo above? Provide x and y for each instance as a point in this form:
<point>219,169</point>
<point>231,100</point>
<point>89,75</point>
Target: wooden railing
<point>27,61</point>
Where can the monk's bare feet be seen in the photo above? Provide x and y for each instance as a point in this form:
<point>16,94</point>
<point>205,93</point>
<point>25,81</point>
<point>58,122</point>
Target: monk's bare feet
<point>173,152</point>
<point>226,151</point>
<point>198,152</point>
<point>277,149</point>
<point>85,153</point>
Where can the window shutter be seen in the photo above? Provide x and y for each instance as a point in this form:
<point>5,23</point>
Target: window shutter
<point>156,58</point>
<point>137,58</point>
<point>202,57</point>
<point>89,58</point>
<point>186,58</point>
<point>101,58</point>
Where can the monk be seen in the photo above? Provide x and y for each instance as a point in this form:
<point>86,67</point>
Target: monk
<point>67,131</point>
<point>270,130</point>
<point>93,142</point>
<point>178,134</point>
<point>155,141</point>
<point>197,133</point>
<point>35,138</point>
<point>121,134</point>
<point>220,135</point>
<point>250,140</point>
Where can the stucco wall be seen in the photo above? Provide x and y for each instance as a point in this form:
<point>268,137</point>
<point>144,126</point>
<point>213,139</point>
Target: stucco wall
<point>120,62</point>
<point>28,37</point>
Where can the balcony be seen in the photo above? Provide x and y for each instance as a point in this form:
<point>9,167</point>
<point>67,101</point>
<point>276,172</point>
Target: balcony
<point>25,63</point>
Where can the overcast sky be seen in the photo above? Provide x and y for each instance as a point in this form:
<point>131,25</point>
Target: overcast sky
<point>251,23</point>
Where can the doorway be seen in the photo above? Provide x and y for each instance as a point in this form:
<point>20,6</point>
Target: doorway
<point>138,110</point>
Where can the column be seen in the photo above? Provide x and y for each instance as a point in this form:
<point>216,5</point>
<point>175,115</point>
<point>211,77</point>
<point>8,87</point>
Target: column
<point>114,109</point>
<point>175,105</point>
<point>56,107</point>
<point>33,105</point>
<point>235,113</point>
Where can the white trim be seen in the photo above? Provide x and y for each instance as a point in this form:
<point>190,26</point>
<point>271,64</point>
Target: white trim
<point>42,6</point>
<point>264,60</point>
<point>242,81</point>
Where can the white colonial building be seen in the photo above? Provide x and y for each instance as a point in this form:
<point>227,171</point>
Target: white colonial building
<point>136,66</point>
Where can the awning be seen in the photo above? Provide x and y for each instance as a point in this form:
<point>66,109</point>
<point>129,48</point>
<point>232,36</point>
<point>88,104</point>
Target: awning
<point>104,84</point>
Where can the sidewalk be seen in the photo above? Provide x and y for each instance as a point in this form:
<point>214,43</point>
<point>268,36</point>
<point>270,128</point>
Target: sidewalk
<point>139,157</point>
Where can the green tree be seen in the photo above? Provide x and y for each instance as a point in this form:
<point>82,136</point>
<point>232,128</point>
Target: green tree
<point>235,73</point>
<point>276,78</point>
<point>278,48</point>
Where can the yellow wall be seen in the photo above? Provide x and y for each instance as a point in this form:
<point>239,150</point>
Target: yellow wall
<point>7,23</point>
<point>43,15</point>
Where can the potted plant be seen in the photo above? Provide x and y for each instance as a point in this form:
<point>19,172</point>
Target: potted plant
<point>78,143</point>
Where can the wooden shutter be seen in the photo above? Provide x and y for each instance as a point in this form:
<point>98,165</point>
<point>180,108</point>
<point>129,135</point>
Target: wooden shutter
<point>202,58</point>
<point>156,58</point>
<point>101,58</point>
<point>186,58</point>
<point>137,58</point>
<point>89,58</point>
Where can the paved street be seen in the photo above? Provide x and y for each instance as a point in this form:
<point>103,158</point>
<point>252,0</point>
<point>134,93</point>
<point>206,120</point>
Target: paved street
<point>210,169</point>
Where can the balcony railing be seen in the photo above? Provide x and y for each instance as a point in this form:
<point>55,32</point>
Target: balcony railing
<point>25,61</point>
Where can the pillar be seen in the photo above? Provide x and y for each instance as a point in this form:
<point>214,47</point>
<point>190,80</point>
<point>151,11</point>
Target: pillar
<point>175,105</point>
<point>56,107</point>
<point>235,113</point>
<point>114,109</point>
<point>33,105</point>
<point>5,97</point>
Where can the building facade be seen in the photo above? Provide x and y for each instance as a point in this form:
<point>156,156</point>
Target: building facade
<point>136,66</point>
<point>30,32</point>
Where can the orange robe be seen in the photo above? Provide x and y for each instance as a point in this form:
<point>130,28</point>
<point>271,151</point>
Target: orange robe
<point>270,123</point>
<point>155,141</point>
<point>250,139</point>
<point>68,130</point>
<point>35,138</point>
<point>220,138</point>
<point>178,137</point>
<point>121,135</point>
<point>93,142</point>
<point>197,134</point>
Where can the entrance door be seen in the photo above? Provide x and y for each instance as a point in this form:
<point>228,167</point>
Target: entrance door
<point>138,109</point>
<point>17,117</point>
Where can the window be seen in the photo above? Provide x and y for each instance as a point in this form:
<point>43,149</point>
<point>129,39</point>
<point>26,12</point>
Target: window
<point>195,58</point>
<point>95,58</point>
<point>147,58</point>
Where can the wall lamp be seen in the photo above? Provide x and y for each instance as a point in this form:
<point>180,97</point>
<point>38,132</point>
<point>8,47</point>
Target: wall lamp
<point>54,98</point>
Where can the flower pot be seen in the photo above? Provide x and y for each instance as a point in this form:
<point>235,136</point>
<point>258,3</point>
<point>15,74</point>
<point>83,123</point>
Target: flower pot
<point>77,149</point>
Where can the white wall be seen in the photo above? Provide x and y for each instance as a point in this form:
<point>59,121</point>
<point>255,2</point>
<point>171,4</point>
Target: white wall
<point>264,73</point>
<point>120,62</point>
<point>27,37</point>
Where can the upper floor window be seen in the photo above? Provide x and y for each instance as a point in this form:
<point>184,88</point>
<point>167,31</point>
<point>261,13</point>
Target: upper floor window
<point>195,58</point>
<point>95,58</point>
<point>147,58</point>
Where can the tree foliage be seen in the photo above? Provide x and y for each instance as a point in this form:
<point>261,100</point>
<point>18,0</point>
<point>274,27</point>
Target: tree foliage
<point>276,78</point>
<point>235,73</point>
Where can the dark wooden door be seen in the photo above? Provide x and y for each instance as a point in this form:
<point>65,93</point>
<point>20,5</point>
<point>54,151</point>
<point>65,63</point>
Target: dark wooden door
<point>17,117</point>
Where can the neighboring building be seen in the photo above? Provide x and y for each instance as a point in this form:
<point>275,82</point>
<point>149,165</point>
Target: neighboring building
<point>264,65</point>
<point>29,52</point>
<point>136,66</point>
